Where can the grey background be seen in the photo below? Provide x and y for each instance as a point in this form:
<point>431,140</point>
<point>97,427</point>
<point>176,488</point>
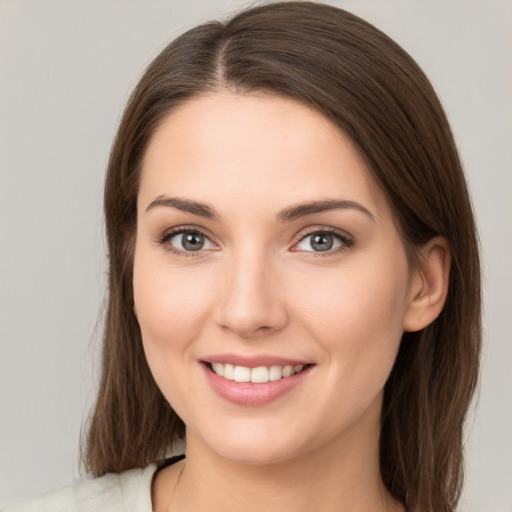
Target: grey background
<point>66,69</point>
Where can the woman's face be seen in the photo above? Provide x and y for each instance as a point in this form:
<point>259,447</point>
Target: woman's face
<point>266,252</point>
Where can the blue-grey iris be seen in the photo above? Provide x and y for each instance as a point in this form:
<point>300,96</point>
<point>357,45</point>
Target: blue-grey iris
<point>192,241</point>
<point>322,242</point>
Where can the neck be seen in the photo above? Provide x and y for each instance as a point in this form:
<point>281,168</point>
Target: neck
<point>340,476</point>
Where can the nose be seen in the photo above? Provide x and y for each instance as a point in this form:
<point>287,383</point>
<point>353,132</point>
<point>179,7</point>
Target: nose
<point>251,300</point>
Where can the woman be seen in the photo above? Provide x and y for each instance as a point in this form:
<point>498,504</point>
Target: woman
<point>294,279</point>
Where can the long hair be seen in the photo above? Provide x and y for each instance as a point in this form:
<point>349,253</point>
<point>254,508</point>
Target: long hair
<point>376,94</point>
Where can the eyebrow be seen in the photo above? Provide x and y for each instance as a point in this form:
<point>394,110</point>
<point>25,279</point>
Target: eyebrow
<point>185,205</point>
<point>301,210</point>
<point>288,214</point>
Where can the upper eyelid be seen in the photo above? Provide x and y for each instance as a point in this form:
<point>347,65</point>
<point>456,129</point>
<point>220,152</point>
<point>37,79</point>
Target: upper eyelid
<point>322,229</point>
<point>303,233</point>
<point>168,233</point>
<point>164,238</point>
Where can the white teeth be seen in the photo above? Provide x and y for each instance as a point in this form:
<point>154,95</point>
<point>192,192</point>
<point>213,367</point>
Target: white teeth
<point>218,368</point>
<point>257,375</point>
<point>275,373</point>
<point>229,371</point>
<point>287,371</point>
<point>242,374</point>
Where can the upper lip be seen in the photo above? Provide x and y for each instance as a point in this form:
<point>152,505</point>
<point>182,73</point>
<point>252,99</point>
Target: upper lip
<point>253,361</point>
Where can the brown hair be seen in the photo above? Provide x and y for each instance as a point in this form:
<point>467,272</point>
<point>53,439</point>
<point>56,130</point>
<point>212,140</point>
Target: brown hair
<point>374,91</point>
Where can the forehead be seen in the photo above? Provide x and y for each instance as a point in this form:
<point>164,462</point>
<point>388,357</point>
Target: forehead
<point>257,150</point>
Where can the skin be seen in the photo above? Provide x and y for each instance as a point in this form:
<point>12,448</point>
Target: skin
<point>259,287</point>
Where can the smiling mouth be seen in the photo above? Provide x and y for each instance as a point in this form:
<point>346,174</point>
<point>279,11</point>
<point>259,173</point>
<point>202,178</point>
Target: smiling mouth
<point>258,375</point>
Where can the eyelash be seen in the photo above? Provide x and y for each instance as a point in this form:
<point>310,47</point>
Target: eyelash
<point>342,237</point>
<point>168,235</point>
<point>346,241</point>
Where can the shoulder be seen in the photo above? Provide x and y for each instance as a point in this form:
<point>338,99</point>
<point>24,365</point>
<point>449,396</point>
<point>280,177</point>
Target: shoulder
<point>128,492</point>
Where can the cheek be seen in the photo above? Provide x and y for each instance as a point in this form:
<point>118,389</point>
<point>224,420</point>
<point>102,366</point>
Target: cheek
<point>170,304</point>
<point>357,315</point>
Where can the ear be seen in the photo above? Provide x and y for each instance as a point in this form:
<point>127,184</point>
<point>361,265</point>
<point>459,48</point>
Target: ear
<point>429,285</point>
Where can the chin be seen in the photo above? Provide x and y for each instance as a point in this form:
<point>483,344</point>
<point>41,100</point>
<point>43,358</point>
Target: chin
<point>251,446</point>
<point>255,455</point>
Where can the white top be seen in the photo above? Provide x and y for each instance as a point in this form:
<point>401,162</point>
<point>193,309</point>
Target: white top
<point>124,492</point>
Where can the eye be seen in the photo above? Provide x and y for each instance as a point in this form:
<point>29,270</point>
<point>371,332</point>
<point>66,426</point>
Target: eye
<point>326,240</point>
<point>186,241</point>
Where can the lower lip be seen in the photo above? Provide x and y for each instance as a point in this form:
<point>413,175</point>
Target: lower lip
<point>249,393</point>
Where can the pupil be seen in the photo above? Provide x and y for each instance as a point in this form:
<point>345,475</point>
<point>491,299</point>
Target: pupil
<point>322,242</point>
<point>193,241</point>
